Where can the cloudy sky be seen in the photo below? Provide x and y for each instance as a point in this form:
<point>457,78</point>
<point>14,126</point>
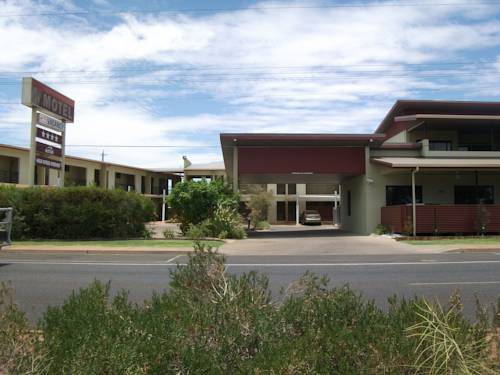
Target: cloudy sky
<point>178,73</point>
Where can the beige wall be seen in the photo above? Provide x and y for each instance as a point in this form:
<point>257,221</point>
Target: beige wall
<point>23,157</point>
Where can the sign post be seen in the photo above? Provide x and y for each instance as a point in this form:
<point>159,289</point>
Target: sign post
<point>51,110</point>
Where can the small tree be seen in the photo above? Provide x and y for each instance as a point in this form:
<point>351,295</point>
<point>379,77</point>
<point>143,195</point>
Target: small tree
<point>259,206</point>
<point>195,201</point>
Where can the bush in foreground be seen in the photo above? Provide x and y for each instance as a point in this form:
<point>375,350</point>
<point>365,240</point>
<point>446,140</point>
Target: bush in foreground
<point>214,322</point>
<point>76,212</point>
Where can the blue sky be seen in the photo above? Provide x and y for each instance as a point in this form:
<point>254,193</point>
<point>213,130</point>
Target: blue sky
<point>162,73</point>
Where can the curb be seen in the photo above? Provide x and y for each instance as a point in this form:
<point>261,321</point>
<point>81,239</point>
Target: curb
<point>97,251</point>
<point>474,250</point>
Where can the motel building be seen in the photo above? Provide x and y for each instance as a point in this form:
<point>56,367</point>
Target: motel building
<point>14,170</point>
<point>432,163</point>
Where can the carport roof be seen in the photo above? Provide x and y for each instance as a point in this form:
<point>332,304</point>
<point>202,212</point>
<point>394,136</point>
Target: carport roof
<point>299,139</point>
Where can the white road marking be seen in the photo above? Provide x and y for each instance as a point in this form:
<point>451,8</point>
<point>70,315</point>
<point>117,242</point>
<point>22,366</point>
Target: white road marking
<point>365,264</point>
<point>456,283</point>
<point>174,258</point>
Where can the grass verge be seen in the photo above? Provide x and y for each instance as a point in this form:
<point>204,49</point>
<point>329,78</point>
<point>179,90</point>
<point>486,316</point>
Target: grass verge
<point>117,243</point>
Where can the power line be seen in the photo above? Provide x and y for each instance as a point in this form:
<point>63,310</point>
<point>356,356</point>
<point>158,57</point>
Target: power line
<point>232,9</point>
<point>255,67</point>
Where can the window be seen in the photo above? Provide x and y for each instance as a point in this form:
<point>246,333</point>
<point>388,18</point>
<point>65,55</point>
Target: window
<point>440,145</point>
<point>292,189</point>
<point>280,189</point>
<point>66,168</point>
<point>401,195</point>
<point>291,211</point>
<point>348,203</point>
<point>97,177</point>
<point>280,211</point>
<point>474,194</point>
<point>118,175</point>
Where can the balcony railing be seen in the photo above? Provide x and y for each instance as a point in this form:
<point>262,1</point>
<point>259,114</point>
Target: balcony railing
<point>443,218</point>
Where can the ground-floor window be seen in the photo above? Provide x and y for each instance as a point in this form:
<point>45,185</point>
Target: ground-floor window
<point>401,194</point>
<point>280,211</point>
<point>474,194</point>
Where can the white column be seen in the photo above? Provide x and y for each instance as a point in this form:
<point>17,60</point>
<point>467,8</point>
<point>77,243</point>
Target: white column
<point>89,176</point>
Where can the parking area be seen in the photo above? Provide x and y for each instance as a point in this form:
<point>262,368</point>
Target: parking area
<point>317,240</point>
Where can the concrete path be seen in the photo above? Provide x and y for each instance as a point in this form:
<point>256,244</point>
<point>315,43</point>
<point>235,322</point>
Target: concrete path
<point>321,240</point>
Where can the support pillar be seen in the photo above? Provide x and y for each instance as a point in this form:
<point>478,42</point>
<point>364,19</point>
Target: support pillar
<point>235,169</point>
<point>297,209</point>
<point>32,157</point>
<point>414,202</point>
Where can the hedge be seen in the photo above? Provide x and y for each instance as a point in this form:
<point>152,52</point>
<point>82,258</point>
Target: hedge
<point>76,212</point>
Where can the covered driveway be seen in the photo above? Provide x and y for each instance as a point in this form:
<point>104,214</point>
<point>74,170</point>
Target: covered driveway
<point>325,240</point>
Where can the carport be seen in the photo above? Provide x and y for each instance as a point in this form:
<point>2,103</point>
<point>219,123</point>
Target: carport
<point>333,198</point>
<point>296,159</point>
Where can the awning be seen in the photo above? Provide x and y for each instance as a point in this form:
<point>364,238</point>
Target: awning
<point>437,163</point>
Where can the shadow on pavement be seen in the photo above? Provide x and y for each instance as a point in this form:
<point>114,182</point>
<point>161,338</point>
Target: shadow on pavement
<point>299,233</point>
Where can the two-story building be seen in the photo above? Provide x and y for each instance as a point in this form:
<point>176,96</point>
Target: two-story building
<point>432,163</point>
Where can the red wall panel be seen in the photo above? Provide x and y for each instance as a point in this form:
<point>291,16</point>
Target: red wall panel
<point>459,218</point>
<point>267,160</point>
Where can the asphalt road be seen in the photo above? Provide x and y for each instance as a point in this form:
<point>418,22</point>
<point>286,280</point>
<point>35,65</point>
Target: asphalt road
<point>40,280</point>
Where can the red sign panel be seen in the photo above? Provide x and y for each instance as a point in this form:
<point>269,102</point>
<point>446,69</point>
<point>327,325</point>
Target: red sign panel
<point>47,149</point>
<point>301,160</point>
<point>49,136</point>
<point>48,163</point>
<point>35,93</point>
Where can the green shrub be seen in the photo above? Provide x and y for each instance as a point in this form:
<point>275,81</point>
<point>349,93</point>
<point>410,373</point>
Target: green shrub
<point>198,231</point>
<point>195,201</point>
<point>259,206</point>
<point>76,212</point>
<point>262,225</point>
<point>169,234</point>
<point>381,229</point>
<point>225,223</point>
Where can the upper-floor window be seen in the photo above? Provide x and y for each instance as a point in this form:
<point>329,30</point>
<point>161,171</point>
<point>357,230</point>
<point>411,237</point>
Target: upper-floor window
<point>281,189</point>
<point>292,189</point>
<point>440,145</point>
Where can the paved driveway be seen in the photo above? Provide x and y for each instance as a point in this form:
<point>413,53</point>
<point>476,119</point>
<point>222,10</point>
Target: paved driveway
<point>321,240</point>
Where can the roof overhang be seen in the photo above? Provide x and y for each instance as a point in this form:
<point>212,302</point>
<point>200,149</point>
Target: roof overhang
<point>417,117</point>
<point>403,108</point>
<point>290,139</point>
<point>438,163</point>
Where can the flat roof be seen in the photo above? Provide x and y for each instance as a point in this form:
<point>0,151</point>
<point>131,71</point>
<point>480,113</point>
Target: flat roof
<point>213,166</point>
<point>406,162</point>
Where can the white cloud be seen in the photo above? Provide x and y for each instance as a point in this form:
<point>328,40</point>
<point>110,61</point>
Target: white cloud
<point>286,70</point>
